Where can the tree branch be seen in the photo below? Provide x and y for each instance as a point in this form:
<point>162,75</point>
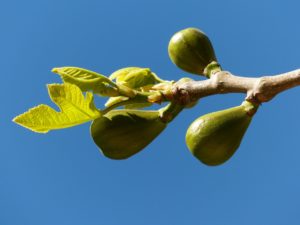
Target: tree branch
<point>258,90</point>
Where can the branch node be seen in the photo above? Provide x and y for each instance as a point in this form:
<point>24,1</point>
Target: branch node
<point>181,95</point>
<point>258,90</point>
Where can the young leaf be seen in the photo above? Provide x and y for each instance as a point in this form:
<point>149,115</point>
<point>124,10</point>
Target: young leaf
<point>135,77</point>
<point>87,80</point>
<point>134,104</point>
<point>138,105</point>
<point>75,109</point>
<point>114,100</point>
<point>120,74</point>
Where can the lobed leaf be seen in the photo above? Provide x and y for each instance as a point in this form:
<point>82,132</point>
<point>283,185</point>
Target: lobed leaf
<point>75,109</point>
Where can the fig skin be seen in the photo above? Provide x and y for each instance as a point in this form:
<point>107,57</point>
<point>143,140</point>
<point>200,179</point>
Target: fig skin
<point>122,133</point>
<point>215,137</point>
<point>191,50</point>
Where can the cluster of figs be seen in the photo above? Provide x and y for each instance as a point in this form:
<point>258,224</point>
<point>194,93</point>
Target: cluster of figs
<point>212,138</point>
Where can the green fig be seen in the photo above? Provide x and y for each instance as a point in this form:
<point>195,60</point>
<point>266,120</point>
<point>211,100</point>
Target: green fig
<point>214,137</point>
<point>122,133</point>
<point>191,50</point>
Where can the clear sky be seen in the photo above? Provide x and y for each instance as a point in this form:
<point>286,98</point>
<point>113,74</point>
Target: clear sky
<point>62,179</point>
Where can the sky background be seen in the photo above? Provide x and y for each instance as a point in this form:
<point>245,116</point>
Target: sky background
<point>61,178</point>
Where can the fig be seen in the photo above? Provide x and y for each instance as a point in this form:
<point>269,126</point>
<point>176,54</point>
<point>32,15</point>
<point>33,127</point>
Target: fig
<point>191,50</point>
<point>214,137</point>
<point>122,133</point>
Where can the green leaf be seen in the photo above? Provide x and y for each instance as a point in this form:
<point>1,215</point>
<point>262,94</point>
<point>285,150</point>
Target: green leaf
<point>135,77</point>
<point>75,109</point>
<point>138,105</point>
<point>87,80</point>
<point>120,74</point>
<point>115,100</point>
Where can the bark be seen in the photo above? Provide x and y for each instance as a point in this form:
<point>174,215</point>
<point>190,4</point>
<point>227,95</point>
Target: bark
<point>257,90</point>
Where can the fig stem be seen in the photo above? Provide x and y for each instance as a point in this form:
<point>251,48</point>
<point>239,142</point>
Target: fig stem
<point>211,69</point>
<point>250,107</point>
<point>170,111</point>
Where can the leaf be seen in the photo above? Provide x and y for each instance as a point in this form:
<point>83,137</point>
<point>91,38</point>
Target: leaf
<point>120,74</point>
<point>134,77</point>
<point>115,100</point>
<point>75,109</point>
<point>138,105</point>
<point>87,80</point>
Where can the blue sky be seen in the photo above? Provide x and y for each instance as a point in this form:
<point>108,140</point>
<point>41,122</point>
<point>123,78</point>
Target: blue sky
<point>61,178</point>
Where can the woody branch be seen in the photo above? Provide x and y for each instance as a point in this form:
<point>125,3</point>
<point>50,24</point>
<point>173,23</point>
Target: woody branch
<point>258,90</point>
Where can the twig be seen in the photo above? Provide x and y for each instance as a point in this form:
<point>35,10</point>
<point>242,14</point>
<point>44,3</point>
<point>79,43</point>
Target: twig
<point>258,90</point>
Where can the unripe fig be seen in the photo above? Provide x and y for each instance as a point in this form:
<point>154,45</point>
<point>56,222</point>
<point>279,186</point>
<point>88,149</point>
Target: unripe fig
<point>214,137</point>
<point>122,133</point>
<point>191,50</point>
